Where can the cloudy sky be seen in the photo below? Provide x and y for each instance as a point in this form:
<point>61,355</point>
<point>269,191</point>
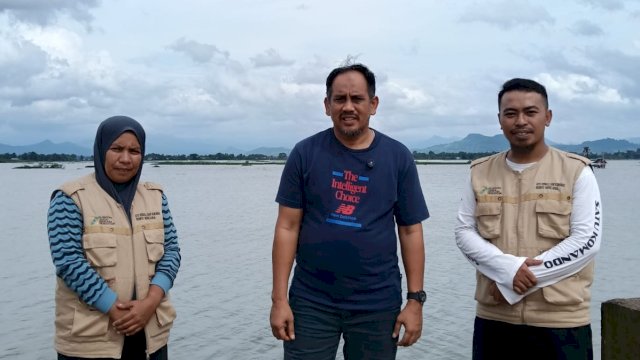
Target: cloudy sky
<point>249,73</point>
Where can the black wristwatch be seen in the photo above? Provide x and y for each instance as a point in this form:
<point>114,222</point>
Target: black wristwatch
<point>419,296</point>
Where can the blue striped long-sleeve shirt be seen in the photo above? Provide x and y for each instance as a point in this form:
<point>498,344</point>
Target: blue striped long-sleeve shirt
<point>65,240</point>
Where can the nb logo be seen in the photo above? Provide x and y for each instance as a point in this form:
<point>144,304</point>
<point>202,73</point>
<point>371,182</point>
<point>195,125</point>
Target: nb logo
<point>345,209</point>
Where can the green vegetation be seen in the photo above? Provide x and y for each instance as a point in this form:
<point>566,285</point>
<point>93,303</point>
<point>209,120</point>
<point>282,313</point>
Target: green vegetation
<point>449,156</point>
<point>34,157</point>
<point>194,158</point>
<point>218,156</point>
<point>619,155</point>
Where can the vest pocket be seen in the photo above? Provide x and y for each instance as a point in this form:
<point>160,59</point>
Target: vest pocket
<point>165,313</point>
<point>88,321</point>
<point>100,249</point>
<point>488,218</point>
<point>155,244</point>
<point>553,219</point>
<point>164,317</point>
<point>482,290</point>
<point>569,291</point>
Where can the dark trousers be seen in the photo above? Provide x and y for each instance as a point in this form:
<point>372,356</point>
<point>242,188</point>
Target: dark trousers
<point>500,340</point>
<point>367,335</point>
<point>135,348</point>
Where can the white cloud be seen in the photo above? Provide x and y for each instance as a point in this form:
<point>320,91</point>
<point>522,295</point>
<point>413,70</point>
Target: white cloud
<point>586,28</point>
<point>295,89</point>
<point>259,82</point>
<point>46,11</point>
<point>580,87</point>
<point>194,101</point>
<point>605,4</point>
<point>198,52</point>
<point>407,97</point>
<point>507,14</point>
<point>59,43</point>
<point>52,63</point>
<point>21,59</point>
<point>270,57</point>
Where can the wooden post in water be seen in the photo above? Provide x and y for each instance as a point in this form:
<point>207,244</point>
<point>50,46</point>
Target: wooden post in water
<point>620,329</point>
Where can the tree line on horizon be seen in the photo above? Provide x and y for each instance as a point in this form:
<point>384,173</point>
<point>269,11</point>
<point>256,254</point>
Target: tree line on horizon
<point>461,155</point>
<point>33,156</point>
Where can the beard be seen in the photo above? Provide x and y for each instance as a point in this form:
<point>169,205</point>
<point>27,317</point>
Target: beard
<point>352,133</point>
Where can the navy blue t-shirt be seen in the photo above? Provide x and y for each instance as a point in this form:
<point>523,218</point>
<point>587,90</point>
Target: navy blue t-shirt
<point>351,201</point>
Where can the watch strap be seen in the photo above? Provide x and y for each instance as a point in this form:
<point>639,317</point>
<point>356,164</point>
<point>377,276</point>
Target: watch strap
<point>420,296</point>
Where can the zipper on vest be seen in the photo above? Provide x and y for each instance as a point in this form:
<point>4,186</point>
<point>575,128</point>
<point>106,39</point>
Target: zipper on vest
<point>132,258</point>
<point>519,192</point>
<point>135,277</point>
<point>524,300</point>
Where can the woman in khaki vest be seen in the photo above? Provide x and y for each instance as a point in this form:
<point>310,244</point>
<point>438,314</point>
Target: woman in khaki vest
<point>116,254</point>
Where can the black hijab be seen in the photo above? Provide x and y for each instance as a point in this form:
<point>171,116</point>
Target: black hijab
<point>108,131</point>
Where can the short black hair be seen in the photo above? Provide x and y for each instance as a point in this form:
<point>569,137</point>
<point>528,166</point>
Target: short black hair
<point>526,85</point>
<point>368,76</point>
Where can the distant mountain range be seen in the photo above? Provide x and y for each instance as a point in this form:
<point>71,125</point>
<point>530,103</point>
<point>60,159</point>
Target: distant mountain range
<point>472,143</point>
<point>47,147</point>
<point>432,141</point>
<point>272,151</point>
<point>476,143</point>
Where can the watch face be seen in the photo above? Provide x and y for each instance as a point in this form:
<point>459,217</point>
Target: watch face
<point>420,296</point>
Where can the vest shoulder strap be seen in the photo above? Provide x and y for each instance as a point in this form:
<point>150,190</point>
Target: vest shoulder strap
<point>73,186</point>
<point>578,157</point>
<point>152,186</point>
<point>481,160</point>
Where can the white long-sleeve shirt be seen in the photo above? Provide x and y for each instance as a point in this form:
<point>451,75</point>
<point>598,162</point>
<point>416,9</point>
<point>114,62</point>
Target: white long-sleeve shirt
<point>581,246</point>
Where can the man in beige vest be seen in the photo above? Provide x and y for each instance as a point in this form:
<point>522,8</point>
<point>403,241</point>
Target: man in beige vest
<point>530,222</point>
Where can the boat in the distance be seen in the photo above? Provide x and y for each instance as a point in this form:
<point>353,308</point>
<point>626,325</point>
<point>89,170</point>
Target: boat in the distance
<point>41,165</point>
<point>596,163</point>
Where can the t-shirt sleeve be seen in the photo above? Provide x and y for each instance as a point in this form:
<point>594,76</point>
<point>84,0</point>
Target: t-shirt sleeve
<point>411,207</point>
<point>290,191</point>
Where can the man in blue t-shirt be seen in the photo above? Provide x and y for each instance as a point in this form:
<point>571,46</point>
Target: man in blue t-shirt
<point>341,194</point>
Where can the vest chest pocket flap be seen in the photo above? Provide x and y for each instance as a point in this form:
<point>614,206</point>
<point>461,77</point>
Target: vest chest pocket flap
<point>488,218</point>
<point>553,218</point>
<point>155,244</point>
<point>100,249</point>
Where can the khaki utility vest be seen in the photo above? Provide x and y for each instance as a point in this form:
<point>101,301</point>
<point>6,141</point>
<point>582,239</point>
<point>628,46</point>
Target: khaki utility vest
<point>125,256</point>
<point>525,214</point>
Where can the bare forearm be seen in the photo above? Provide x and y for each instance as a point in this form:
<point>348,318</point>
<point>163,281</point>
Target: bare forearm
<point>284,251</point>
<point>155,295</point>
<point>285,243</point>
<point>413,255</point>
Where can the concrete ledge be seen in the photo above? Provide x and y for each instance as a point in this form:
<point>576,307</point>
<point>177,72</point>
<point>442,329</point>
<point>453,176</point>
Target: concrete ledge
<point>620,329</point>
